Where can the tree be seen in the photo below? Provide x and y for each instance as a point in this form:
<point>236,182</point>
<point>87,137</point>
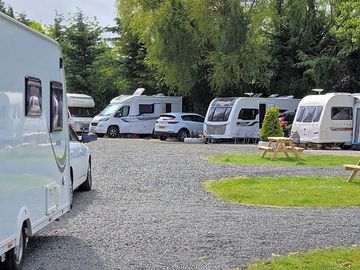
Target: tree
<point>80,48</point>
<point>271,125</point>
<point>7,10</point>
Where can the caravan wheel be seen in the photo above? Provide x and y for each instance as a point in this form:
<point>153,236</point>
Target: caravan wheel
<point>15,257</point>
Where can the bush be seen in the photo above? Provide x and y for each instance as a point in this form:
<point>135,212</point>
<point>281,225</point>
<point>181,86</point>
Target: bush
<point>271,126</point>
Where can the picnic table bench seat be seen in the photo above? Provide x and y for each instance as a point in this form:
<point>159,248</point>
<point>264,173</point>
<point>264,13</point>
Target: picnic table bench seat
<point>268,148</point>
<point>298,149</point>
<point>354,168</point>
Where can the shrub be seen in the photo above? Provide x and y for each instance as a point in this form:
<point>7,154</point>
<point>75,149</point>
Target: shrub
<point>271,126</point>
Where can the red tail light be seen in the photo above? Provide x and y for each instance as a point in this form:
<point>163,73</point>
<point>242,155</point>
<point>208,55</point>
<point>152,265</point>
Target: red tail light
<point>173,122</point>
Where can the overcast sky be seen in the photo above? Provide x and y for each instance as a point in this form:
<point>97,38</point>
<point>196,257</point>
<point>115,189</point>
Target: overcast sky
<point>44,10</point>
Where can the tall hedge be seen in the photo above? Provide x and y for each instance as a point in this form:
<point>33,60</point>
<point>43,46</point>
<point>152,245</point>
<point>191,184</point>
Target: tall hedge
<point>271,126</point>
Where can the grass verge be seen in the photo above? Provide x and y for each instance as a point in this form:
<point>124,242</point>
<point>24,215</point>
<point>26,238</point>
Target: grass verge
<point>340,258</point>
<point>303,191</point>
<point>306,160</point>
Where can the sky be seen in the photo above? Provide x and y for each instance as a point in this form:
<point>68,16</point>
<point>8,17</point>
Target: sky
<point>44,10</point>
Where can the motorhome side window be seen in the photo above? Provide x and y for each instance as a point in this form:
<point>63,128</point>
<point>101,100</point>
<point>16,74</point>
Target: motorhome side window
<point>33,97</point>
<point>341,113</point>
<point>123,112</point>
<point>56,105</point>
<point>248,114</point>
<point>146,108</point>
<point>219,114</point>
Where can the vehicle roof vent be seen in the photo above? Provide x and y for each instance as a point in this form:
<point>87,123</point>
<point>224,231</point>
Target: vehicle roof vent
<point>273,95</point>
<point>287,97</point>
<point>159,95</point>
<point>139,92</point>
<point>250,94</point>
<point>257,95</point>
<point>318,91</point>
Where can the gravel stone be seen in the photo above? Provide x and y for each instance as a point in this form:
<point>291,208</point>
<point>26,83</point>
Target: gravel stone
<point>148,210</point>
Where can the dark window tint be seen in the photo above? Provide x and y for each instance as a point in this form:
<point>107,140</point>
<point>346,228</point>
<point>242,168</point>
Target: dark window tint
<point>341,113</point>
<point>33,97</point>
<point>81,112</point>
<point>168,107</point>
<point>248,114</point>
<point>219,114</point>
<point>198,118</point>
<point>187,118</point>
<point>146,108</point>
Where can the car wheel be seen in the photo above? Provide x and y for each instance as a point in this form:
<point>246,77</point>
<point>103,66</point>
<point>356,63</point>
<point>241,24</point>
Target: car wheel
<point>87,185</point>
<point>182,134</point>
<point>162,138</point>
<point>113,132</point>
<point>100,135</point>
<point>15,257</point>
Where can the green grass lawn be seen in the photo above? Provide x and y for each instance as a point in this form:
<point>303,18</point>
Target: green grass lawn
<point>329,259</point>
<point>285,191</point>
<point>306,160</point>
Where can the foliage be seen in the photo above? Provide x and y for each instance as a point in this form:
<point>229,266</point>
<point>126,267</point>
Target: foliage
<point>306,160</point>
<point>328,258</point>
<point>271,126</point>
<point>285,191</point>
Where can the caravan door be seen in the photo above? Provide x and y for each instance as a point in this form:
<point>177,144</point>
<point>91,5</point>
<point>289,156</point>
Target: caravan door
<point>356,125</point>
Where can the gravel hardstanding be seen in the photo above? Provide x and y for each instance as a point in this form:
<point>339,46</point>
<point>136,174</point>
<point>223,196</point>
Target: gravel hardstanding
<point>148,210</point>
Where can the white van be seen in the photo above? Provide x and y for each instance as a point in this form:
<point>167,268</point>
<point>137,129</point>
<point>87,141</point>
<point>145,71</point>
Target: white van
<point>241,117</point>
<point>135,114</point>
<point>328,119</point>
<point>35,179</point>
<point>81,111</point>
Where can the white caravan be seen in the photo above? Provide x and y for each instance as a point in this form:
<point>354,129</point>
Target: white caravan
<point>80,108</point>
<point>35,179</point>
<point>135,114</point>
<point>241,117</point>
<point>328,119</point>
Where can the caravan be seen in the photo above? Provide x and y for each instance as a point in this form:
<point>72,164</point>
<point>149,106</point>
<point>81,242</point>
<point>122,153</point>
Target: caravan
<point>135,114</point>
<point>333,118</point>
<point>241,117</point>
<point>35,183</point>
<point>80,111</point>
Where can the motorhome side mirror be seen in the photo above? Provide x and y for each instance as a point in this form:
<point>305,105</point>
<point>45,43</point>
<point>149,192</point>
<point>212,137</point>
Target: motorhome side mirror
<point>118,114</point>
<point>86,138</point>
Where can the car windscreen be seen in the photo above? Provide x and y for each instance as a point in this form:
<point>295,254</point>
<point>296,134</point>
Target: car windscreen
<point>219,114</point>
<point>110,109</point>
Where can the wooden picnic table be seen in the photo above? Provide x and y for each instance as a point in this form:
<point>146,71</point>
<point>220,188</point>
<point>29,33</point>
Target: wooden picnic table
<point>282,144</point>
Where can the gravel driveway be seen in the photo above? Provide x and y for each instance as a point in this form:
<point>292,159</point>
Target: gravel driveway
<point>148,210</point>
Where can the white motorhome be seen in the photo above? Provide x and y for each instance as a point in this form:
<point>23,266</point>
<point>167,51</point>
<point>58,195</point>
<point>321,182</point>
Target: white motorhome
<point>241,117</point>
<point>328,119</point>
<point>80,108</point>
<point>35,184</point>
<point>134,114</point>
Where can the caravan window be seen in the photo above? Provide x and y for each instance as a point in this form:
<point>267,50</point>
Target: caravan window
<point>248,114</point>
<point>300,114</point>
<point>33,97</point>
<point>146,108</point>
<point>219,114</point>
<point>81,112</point>
<point>309,114</point>
<point>341,113</point>
<point>56,106</point>
<point>317,113</point>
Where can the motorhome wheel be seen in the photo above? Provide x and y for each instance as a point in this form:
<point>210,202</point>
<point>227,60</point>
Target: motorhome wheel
<point>162,138</point>
<point>86,186</point>
<point>15,257</point>
<point>113,132</point>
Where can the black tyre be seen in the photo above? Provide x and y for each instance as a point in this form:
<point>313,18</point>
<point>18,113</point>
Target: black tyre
<point>100,135</point>
<point>87,185</point>
<point>15,257</point>
<point>182,134</point>
<point>71,195</point>
<point>162,138</point>
<point>113,132</point>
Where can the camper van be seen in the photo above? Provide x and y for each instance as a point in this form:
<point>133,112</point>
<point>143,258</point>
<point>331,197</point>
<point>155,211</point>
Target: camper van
<point>80,111</point>
<point>134,114</point>
<point>35,184</point>
<point>241,117</point>
<point>333,118</point>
